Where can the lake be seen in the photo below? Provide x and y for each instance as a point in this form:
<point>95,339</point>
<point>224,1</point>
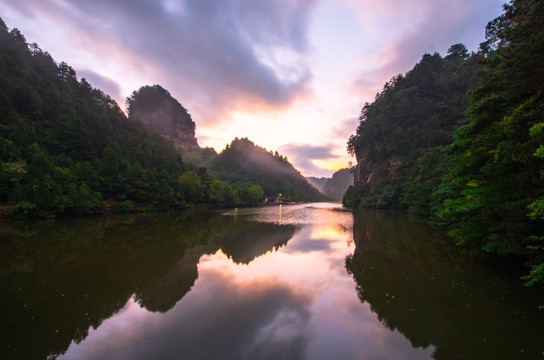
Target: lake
<point>305,281</point>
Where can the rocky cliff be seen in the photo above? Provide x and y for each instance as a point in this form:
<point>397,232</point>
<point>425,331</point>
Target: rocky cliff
<point>154,105</point>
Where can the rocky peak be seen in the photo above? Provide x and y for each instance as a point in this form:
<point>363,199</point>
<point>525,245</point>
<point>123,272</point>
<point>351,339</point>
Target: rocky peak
<point>154,105</point>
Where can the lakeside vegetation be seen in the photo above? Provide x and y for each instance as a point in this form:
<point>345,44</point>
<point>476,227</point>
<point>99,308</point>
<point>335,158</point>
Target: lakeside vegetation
<point>67,148</point>
<point>461,138</point>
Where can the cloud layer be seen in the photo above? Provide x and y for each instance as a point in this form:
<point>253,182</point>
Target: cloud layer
<point>280,72</point>
<point>213,54</point>
<point>304,156</point>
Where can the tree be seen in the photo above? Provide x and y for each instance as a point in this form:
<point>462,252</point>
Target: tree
<point>457,51</point>
<point>496,179</point>
<point>254,194</point>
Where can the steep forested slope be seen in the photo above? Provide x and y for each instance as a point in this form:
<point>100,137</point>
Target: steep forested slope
<point>66,147</point>
<point>399,139</point>
<point>486,182</point>
<point>316,182</point>
<point>493,196</point>
<point>243,161</point>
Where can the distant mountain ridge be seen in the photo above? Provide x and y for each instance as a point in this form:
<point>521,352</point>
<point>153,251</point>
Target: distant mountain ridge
<point>316,182</point>
<point>154,105</point>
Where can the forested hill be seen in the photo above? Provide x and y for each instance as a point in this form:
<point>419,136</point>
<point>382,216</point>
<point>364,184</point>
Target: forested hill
<point>243,161</point>
<point>398,144</point>
<point>154,105</point>
<point>486,182</point>
<point>68,149</point>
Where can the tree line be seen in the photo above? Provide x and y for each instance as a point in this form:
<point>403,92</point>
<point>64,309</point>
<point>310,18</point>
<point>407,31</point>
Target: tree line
<point>66,148</point>
<point>461,138</point>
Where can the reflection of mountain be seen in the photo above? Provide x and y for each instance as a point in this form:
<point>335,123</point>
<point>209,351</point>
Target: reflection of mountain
<point>418,285</point>
<point>61,277</point>
<point>251,239</point>
<point>164,292</point>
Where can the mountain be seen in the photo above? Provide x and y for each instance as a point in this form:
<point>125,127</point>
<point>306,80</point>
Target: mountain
<point>66,147</point>
<point>400,135</point>
<point>154,105</point>
<point>316,182</point>
<point>243,161</point>
<point>467,149</point>
<point>337,185</point>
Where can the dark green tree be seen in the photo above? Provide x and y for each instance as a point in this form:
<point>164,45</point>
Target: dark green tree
<point>497,171</point>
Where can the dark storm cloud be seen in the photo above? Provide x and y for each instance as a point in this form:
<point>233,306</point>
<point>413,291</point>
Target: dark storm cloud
<point>229,52</point>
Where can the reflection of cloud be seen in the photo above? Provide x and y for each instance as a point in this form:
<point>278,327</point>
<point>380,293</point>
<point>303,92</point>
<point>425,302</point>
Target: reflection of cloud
<point>309,245</point>
<point>218,319</point>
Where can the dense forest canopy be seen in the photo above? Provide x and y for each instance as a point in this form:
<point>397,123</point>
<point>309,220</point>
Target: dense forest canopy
<point>66,148</point>
<point>473,159</point>
<point>400,135</point>
<point>493,195</point>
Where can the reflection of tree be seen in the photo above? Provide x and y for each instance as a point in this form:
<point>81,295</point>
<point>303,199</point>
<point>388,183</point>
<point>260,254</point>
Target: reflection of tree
<point>416,283</point>
<point>251,239</point>
<point>162,293</point>
<point>60,277</point>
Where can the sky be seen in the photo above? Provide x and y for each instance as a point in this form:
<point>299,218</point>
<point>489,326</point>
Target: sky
<point>291,75</point>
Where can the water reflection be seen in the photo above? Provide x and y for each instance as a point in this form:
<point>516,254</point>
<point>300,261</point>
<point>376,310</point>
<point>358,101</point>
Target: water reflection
<point>255,284</point>
<point>296,302</point>
<point>220,319</point>
<point>420,286</point>
<point>59,278</point>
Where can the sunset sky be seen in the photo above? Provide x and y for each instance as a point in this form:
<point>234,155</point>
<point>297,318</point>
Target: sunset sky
<point>291,75</point>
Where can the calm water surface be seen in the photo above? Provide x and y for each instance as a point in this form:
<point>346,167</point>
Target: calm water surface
<point>280,282</point>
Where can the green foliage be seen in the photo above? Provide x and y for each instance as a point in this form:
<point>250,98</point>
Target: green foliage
<point>254,194</point>
<point>199,157</point>
<point>352,197</point>
<point>24,210</point>
<point>496,175</point>
<point>242,161</point>
<point>401,134</point>
<point>487,184</point>
<point>66,147</point>
<point>126,206</point>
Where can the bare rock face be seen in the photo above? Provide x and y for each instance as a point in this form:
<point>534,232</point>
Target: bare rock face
<point>154,105</point>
